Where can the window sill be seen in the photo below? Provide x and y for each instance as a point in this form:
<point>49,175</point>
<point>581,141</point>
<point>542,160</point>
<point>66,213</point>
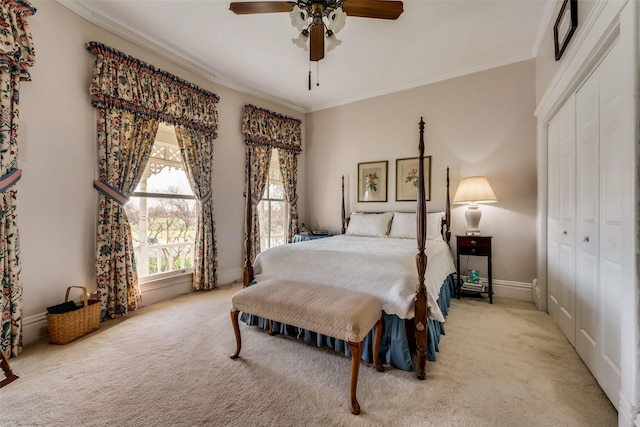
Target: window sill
<point>164,280</point>
<point>167,275</point>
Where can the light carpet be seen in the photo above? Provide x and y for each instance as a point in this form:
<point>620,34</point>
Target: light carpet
<point>168,364</point>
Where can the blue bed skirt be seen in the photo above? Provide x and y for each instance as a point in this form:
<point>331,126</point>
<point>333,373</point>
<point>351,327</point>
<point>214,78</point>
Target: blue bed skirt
<point>394,346</point>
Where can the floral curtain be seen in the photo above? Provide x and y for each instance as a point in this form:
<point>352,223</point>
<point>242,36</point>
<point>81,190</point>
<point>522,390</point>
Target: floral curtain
<point>197,151</point>
<point>132,97</point>
<point>264,127</point>
<point>126,83</point>
<point>289,169</point>
<point>260,158</point>
<point>16,56</point>
<point>264,130</point>
<point>125,140</point>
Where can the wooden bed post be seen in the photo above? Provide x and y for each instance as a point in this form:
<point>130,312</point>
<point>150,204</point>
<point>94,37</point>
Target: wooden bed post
<point>344,217</point>
<point>421,322</point>
<point>447,217</point>
<point>247,275</point>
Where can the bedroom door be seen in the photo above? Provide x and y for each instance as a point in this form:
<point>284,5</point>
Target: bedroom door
<point>601,228</point>
<point>561,219</point>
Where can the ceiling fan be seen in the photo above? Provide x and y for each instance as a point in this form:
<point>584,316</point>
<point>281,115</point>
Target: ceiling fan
<point>320,19</point>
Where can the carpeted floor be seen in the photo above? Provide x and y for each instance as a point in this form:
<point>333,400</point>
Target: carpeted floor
<point>167,364</point>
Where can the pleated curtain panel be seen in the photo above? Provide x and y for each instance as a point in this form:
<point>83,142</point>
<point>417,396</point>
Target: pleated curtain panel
<point>132,98</point>
<point>264,130</point>
<point>16,56</point>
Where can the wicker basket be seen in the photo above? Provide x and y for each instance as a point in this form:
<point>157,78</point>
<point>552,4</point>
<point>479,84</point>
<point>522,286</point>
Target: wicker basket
<point>66,327</point>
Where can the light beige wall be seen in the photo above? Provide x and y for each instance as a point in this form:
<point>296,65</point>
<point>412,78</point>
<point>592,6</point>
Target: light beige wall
<point>480,124</point>
<point>56,201</point>
<point>546,64</point>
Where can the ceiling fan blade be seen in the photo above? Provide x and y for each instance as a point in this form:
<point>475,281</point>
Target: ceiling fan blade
<point>381,9</point>
<point>243,8</point>
<point>316,43</point>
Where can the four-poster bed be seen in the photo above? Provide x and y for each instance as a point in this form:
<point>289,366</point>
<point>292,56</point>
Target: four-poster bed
<point>376,264</point>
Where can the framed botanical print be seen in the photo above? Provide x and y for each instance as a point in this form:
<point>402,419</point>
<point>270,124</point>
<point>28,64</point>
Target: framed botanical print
<point>407,179</point>
<point>372,181</point>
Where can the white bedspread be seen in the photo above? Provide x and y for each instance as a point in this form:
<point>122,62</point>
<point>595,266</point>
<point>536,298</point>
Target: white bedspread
<point>383,267</point>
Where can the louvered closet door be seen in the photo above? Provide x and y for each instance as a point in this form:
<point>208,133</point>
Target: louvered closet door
<point>561,219</point>
<point>600,229</point>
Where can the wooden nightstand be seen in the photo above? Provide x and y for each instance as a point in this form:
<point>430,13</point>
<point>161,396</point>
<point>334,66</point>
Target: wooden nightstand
<point>476,246</point>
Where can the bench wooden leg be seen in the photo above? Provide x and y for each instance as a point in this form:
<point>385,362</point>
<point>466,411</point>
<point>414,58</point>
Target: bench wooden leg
<point>236,330</point>
<point>376,346</point>
<point>356,353</point>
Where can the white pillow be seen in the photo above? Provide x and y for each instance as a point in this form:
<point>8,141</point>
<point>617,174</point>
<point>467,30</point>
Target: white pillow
<point>369,225</point>
<point>434,225</point>
<point>404,225</point>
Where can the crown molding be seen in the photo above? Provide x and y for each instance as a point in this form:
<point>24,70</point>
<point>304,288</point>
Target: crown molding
<point>547,18</point>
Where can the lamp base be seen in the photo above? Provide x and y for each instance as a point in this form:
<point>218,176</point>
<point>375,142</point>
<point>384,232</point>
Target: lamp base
<point>473,215</point>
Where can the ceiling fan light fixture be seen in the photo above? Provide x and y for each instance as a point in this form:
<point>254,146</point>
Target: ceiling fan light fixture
<point>301,40</point>
<point>332,41</point>
<point>308,15</point>
<point>336,18</point>
<point>298,18</point>
<point>320,20</point>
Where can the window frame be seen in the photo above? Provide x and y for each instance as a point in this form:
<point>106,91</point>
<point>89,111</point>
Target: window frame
<point>267,199</point>
<point>160,279</point>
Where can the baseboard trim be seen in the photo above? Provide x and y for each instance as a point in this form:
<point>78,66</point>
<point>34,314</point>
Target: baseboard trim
<point>514,290</point>
<point>227,277</point>
<point>34,327</point>
<point>627,413</point>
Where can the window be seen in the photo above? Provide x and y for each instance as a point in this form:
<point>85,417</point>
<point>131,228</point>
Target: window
<point>273,209</point>
<point>162,212</point>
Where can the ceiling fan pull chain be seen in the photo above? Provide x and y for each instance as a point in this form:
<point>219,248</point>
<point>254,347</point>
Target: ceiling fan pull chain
<point>317,73</point>
<point>309,75</point>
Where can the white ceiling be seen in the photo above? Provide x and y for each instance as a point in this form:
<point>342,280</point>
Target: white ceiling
<point>431,41</point>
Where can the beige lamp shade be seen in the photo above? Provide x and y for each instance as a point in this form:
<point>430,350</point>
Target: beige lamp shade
<point>473,190</point>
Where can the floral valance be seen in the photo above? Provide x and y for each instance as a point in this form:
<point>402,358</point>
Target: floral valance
<point>16,44</point>
<point>123,82</point>
<point>265,127</point>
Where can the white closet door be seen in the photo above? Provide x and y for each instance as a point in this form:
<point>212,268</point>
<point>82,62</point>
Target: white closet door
<point>613,189</point>
<point>561,219</point>
<point>587,220</point>
<point>599,224</point>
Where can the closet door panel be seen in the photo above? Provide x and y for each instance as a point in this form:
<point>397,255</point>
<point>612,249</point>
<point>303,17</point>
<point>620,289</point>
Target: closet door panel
<point>613,189</point>
<point>561,219</point>
<point>554,224</point>
<point>587,221</point>
<point>567,255</point>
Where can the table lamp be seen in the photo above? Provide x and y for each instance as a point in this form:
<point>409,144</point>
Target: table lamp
<point>474,190</point>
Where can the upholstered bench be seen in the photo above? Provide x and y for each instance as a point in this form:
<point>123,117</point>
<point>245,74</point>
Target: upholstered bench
<point>338,313</point>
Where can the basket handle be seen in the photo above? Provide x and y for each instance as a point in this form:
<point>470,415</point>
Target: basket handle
<point>84,294</point>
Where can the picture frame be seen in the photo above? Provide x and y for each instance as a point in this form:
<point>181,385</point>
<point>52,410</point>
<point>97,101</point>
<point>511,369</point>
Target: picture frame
<point>407,179</point>
<point>565,26</point>
<point>372,181</point>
